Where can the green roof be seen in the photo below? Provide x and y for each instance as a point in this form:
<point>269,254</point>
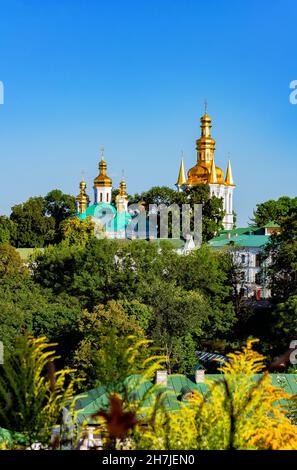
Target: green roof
<point>256,241</point>
<point>241,237</point>
<point>271,225</point>
<point>113,221</point>
<point>138,388</point>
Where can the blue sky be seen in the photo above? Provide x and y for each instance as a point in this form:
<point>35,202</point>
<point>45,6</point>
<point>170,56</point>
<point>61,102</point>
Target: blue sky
<point>133,76</point>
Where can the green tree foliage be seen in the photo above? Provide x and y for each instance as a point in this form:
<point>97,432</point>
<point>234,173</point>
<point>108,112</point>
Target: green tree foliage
<point>32,393</point>
<point>282,274</point>
<point>59,206</point>
<point>206,271</point>
<point>283,253</point>
<point>106,334</point>
<point>178,315</point>
<point>273,210</point>
<point>34,228</point>
<point>37,222</point>
<point>7,229</point>
<point>159,195</point>
<point>212,209</point>
<point>26,306</point>
<point>173,297</point>
<point>10,261</point>
<point>75,231</point>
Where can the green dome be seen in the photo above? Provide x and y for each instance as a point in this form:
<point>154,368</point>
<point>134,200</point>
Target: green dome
<point>107,215</point>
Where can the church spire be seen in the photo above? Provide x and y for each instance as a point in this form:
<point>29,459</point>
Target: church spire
<point>229,178</point>
<point>213,173</point>
<point>102,180</point>
<point>181,175</point>
<point>102,183</point>
<point>205,146</point>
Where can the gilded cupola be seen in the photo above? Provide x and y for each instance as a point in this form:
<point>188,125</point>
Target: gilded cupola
<point>203,171</point>
<point>82,200</point>
<point>122,197</point>
<point>102,180</point>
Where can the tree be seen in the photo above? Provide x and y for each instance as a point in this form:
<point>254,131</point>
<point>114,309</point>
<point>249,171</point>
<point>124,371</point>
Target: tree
<point>60,206</point>
<point>206,271</point>
<point>76,231</point>
<point>7,229</point>
<point>273,210</point>
<point>282,276</point>
<point>101,270</point>
<point>32,393</point>
<point>212,210</point>
<point>26,307</point>
<point>159,195</point>
<point>179,319</point>
<point>106,336</point>
<point>34,228</point>
<point>282,250</point>
<point>10,261</point>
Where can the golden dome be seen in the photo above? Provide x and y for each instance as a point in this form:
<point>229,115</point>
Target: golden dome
<point>201,174</point>
<point>123,187</point>
<point>102,180</point>
<point>82,199</point>
<point>205,171</point>
<point>205,118</point>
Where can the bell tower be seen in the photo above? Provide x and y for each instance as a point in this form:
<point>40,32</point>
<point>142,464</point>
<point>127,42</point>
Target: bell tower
<point>102,183</point>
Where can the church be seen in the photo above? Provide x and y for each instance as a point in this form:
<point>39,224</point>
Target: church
<point>115,216</point>
<point>206,172</point>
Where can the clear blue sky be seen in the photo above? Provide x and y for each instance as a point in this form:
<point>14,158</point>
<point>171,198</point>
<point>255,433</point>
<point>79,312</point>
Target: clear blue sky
<point>133,76</point>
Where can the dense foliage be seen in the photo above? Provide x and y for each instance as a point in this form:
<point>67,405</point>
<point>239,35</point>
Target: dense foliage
<point>98,298</point>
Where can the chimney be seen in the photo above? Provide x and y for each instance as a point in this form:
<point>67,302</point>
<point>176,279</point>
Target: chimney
<point>161,377</point>
<point>199,376</point>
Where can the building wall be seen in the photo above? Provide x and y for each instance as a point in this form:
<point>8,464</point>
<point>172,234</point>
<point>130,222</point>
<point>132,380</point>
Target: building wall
<point>254,280</point>
<point>226,193</point>
<point>102,194</point>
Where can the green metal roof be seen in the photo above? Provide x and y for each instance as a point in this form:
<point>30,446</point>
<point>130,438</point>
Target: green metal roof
<point>113,220</point>
<point>271,225</point>
<point>138,389</point>
<point>243,237</point>
<point>241,240</point>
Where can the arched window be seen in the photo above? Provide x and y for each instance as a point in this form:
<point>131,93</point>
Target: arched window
<point>107,197</point>
<point>101,197</point>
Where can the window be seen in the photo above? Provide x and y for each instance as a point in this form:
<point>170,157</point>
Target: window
<point>258,279</point>
<point>243,259</point>
<point>107,197</point>
<point>101,197</point>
